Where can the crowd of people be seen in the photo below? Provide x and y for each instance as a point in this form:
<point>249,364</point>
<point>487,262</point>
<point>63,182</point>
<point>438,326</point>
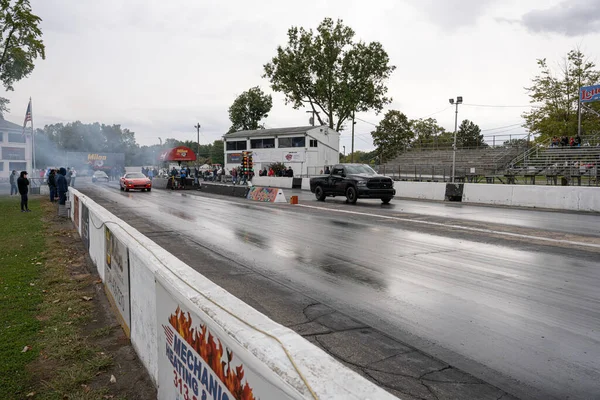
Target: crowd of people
<point>289,172</point>
<point>58,181</point>
<point>566,141</point>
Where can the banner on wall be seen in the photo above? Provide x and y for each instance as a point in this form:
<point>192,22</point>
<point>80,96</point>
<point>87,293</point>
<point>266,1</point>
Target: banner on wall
<point>76,211</point>
<point>85,226</point>
<point>266,194</point>
<point>197,360</point>
<point>293,156</point>
<point>116,277</point>
<point>589,93</point>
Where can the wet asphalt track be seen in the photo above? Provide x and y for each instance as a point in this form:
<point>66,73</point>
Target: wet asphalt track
<point>521,314</point>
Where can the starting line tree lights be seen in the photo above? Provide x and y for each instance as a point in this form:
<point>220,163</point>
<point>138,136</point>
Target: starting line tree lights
<point>247,162</point>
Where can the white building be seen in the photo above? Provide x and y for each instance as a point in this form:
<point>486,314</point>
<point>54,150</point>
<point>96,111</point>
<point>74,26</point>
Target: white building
<point>15,149</point>
<point>307,149</point>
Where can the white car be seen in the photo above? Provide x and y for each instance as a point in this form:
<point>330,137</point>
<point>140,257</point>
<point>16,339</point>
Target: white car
<point>99,176</point>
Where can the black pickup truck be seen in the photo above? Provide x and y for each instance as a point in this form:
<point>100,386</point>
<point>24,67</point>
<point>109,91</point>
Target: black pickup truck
<point>355,181</point>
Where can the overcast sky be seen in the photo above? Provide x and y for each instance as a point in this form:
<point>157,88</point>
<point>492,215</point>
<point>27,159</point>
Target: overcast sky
<point>158,67</point>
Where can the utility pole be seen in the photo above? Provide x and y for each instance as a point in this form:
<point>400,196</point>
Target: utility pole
<point>458,101</point>
<point>197,126</point>
<point>312,119</point>
<point>352,154</point>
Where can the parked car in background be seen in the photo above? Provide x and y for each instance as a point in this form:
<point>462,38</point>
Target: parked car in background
<point>99,176</point>
<point>135,180</point>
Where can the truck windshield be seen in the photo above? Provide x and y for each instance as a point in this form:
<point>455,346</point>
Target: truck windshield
<point>359,169</point>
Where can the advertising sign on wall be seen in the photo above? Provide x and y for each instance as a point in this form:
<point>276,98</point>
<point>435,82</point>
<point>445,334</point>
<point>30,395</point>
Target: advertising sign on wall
<point>85,225</point>
<point>76,211</point>
<point>589,93</point>
<point>116,277</point>
<point>234,158</point>
<point>197,360</point>
<point>266,194</point>
<point>293,156</point>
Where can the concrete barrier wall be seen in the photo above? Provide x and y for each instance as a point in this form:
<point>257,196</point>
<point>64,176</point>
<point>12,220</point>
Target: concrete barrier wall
<point>305,183</point>
<point>574,198</point>
<point>420,190</point>
<point>272,181</point>
<point>262,347</point>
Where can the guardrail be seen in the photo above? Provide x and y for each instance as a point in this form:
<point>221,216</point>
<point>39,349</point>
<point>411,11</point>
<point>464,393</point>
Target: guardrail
<point>195,338</point>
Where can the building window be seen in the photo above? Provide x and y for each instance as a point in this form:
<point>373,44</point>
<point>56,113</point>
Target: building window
<point>237,145</point>
<point>13,153</point>
<point>17,166</point>
<point>292,142</point>
<point>1,136</point>
<point>313,142</point>
<point>16,138</point>
<point>1,166</point>
<point>262,143</point>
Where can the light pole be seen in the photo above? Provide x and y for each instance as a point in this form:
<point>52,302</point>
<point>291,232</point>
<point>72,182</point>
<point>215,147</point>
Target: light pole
<point>344,150</point>
<point>353,123</point>
<point>197,126</point>
<point>458,101</point>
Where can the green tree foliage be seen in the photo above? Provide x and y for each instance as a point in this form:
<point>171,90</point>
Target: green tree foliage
<point>56,139</point>
<point>469,135</point>
<point>330,72</point>
<point>428,134</point>
<point>392,135</point>
<point>277,167</point>
<point>20,43</point>
<point>217,152</point>
<point>248,109</point>
<point>361,157</point>
<point>558,94</point>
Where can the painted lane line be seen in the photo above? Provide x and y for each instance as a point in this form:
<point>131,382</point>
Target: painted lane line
<point>465,228</point>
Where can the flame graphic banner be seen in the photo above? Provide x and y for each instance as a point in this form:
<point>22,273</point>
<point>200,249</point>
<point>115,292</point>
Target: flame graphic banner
<point>197,363</point>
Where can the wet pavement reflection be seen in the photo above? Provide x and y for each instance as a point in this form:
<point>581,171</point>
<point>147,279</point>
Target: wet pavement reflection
<point>519,310</point>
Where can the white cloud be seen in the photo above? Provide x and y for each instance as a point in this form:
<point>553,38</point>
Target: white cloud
<point>160,67</point>
<point>570,18</point>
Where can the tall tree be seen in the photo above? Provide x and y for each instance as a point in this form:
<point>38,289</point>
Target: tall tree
<point>217,152</point>
<point>330,72</point>
<point>248,109</point>
<point>20,43</point>
<point>469,135</point>
<point>428,134</point>
<point>558,94</point>
<point>392,135</point>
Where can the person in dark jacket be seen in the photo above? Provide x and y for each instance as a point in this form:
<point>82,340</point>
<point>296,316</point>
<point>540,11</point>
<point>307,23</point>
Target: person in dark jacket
<point>23,184</point>
<point>13,183</point>
<point>62,186</point>
<point>52,184</point>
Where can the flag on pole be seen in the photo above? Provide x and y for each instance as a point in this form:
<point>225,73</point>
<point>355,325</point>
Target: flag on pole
<point>28,117</point>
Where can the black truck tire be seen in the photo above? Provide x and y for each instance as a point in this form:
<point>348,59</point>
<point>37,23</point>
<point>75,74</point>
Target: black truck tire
<point>386,200</point>
<point>319,193</point>
<point>351,195</point>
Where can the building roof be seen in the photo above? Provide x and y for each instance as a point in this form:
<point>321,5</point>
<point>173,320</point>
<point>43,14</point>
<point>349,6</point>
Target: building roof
<point>4,124</point>
<point>271,132</point>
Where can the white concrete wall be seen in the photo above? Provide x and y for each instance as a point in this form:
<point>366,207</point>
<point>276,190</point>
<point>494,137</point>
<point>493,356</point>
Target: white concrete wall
<point>575,198</point>
<point>149,263</point>
<point>272,181</point>
<point>420,190</point>
<point>305,183</point>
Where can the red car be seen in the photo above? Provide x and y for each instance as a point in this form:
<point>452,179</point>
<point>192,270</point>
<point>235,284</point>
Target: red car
<point>135,180</point>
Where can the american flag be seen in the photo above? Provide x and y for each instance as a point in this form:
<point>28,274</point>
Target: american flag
<point>28,117</point>
<point>169,334</point>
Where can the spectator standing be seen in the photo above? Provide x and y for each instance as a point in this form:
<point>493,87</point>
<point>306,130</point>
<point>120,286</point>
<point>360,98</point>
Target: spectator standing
<point>68,176</point>
<point>182,175</point>
<point>234,175</point>
<point>327,171</point>
<point>290,172</point>
<point>52,185</point>
<point>271,172</point>
<point>150,174</point>
<point>73,176</point>
<point>13,183</point>
<point>23,185</point>
<point>62,186</point>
